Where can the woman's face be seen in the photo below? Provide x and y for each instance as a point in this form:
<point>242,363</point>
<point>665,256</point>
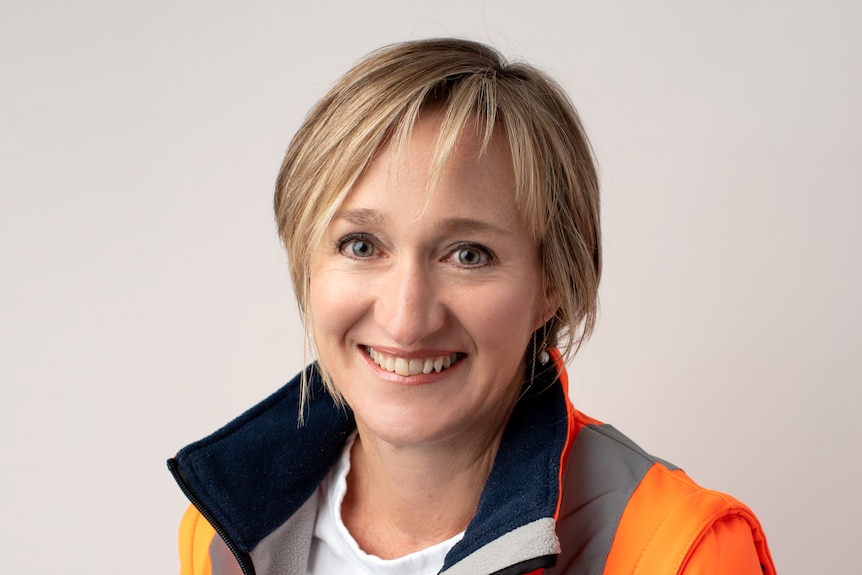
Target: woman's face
<point>422,310</point>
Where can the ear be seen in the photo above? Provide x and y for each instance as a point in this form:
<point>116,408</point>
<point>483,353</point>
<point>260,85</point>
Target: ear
<point>546,309</point>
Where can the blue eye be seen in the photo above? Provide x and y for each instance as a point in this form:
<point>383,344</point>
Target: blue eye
<point>472,256</point>
<point>361,248</point>
<point>356,247</point>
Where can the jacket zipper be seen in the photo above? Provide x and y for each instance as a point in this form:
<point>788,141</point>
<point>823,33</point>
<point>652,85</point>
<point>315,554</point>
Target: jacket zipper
<point>241,558</point>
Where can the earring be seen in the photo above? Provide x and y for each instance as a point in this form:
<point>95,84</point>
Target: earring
<point>541,352</point>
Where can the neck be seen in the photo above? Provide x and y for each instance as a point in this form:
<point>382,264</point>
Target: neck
<point>402,499</point>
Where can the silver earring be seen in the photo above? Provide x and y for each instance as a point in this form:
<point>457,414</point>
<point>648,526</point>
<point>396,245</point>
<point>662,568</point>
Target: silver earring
<point>544,357</point>
<point>540,352</point>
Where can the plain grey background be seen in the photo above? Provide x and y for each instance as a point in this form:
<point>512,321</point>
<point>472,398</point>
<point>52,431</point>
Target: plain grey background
<point>145,300</point>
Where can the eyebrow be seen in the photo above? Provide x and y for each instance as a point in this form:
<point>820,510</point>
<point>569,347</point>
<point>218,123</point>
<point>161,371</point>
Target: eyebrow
<point>361,217</point>
<point>368,217</point>
<point>466,225</point>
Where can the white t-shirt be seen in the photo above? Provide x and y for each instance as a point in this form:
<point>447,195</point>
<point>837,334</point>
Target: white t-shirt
<point>335,552</point>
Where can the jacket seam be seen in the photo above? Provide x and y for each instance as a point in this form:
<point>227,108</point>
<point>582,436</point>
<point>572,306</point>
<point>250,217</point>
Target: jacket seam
<point>194,545</point>
<point>650,542</point>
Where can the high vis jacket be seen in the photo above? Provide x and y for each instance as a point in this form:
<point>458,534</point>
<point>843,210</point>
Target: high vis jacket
<point>567,495</point>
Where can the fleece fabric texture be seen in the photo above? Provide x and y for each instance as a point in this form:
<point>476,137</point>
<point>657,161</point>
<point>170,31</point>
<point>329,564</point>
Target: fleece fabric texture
<point>236,473</point>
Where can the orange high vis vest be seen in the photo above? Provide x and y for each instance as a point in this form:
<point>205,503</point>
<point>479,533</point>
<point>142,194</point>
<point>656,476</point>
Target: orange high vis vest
<point>567,495</point>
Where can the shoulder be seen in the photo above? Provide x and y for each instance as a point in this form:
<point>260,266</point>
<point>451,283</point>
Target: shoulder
<point>630,512</point>
<point>672,525</point>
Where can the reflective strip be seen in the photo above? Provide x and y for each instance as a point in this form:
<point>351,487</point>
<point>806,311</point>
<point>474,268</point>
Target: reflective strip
<point>604,469</point>
<point>223,560</point>
<point>194,545</point>
<point>286,549</point>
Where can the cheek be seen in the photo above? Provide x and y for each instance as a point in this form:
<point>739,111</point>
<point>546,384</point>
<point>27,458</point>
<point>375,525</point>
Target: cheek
<point>334,306</point>
<point>503,317</point>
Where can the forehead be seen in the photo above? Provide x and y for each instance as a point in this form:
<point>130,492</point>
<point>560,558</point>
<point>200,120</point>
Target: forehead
<point>467,170</point>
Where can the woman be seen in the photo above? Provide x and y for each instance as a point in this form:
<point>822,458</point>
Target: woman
<point>440,211</point>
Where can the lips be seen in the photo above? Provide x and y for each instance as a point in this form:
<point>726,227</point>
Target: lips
<point>413,366</point>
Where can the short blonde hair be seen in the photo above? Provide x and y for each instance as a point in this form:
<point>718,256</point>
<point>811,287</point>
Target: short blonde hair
<point>380,99</point>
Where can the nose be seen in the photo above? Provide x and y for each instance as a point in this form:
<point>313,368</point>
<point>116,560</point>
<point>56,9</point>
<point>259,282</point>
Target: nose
<point>409,305</point>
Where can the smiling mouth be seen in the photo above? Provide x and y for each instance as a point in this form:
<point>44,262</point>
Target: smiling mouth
<point>415,366</point>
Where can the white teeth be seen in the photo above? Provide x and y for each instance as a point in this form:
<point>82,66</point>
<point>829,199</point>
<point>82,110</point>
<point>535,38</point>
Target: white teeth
<point>438,364</point>
<point>407,367</point>
<point>416,365</point>
<point>402,367</point>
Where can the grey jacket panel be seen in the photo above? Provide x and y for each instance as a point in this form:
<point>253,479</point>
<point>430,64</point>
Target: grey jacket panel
<point>286,549</point>
<point>531,541</point>
<point>604,469</point>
